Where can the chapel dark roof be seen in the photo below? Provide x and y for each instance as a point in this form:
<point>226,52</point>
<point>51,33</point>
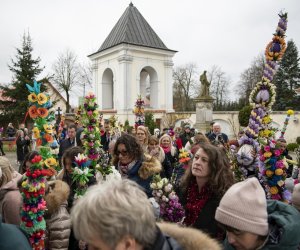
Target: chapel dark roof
<point>132,28</point>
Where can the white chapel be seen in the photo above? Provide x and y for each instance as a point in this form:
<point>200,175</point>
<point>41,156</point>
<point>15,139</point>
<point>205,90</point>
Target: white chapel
<point>133,61</point>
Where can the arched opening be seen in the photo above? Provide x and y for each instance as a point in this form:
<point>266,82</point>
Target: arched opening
<point>108,89</point>
<point>149,87</point>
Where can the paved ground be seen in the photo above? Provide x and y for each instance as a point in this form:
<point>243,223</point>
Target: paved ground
<point>12,156</point>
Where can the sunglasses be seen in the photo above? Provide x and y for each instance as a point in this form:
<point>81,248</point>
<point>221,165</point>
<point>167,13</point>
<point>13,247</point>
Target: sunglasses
<point>123,153</point>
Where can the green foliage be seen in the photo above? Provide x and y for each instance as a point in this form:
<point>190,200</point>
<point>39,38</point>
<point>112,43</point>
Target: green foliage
<point>25,69</point>
<point>292,146</point>
<point>298,140</point>
<point>287,78</point>
<point>244,115</point>
<point>126,125</point>
<point>150,122</point>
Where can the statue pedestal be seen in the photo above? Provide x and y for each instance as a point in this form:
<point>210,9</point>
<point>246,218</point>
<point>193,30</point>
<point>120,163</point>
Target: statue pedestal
<point>204,111</point>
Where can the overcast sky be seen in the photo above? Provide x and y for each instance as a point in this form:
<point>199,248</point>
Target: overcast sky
<point>227,33</point>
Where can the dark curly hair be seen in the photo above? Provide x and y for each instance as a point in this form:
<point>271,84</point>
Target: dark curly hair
<point>132,146</point>
<point>220,177</point>
<point>70,153</point>
<point>28,157</point>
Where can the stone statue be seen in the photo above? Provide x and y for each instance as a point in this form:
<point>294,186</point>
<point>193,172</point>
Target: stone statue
<point>204,85</point>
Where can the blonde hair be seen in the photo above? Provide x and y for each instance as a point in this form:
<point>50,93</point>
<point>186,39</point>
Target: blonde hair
<point>6,171</point>
<point>114,209</point>
<point>145,130</point>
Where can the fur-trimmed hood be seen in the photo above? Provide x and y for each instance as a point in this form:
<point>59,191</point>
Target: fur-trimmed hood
<point>57,195</point>
<point>189,238</point>
<point>150,166</point>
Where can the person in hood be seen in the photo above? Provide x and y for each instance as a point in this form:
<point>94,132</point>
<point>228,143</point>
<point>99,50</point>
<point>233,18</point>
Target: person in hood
<point>117,215</point>
<point>10,196</point>
<point>252,222</point>
<point>57,217</point>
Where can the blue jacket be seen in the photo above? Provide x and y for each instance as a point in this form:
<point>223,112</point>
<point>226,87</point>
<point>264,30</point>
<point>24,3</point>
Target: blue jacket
<point>284,227</point>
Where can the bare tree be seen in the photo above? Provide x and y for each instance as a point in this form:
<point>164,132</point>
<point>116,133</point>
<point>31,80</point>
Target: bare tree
<point>85,72</point>
<point>250,77</point>
<point>66,74</point>
<point>220,85</point>
<point>185,86</point>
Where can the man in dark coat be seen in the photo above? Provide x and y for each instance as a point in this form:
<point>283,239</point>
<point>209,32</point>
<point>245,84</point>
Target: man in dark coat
<point>68,142</point>
<point>217,135</point>
<point>105,137</point>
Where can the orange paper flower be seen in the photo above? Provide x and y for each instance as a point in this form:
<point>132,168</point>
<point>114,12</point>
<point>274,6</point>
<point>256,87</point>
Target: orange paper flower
<point>42,112</point>
<point>274,190</point>
<point>38,142</point>
<point>33,112</point>
<point>48,138</point>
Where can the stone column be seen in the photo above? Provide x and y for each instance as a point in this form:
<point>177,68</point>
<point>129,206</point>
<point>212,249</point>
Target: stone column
<point>204,111</point>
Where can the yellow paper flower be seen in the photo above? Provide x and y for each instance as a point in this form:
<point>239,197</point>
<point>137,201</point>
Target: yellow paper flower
<point>48,128</point>
<point>280,183</point>
<point>267,119</point>
<point>50,162</point>
<point>42,98</point>
<point>32,97</point>
<point>267,154</point>
<point>279,171</point>
<point>274,190</point>
<point>36,132</point>
<point>290,112</point>
<point>269,173</point>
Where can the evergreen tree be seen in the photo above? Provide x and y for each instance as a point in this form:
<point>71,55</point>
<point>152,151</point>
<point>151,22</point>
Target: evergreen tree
<point>287,79</point>
<point>25,70</point>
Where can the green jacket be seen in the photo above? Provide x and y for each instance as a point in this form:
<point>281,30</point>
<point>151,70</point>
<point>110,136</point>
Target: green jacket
<point>12,238</point>
<point>284,227</point>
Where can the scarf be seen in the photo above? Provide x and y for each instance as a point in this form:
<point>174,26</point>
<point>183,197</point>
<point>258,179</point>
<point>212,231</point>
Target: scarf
<point>124,168</point>
<point>166,149</point>
<point>195,202</point>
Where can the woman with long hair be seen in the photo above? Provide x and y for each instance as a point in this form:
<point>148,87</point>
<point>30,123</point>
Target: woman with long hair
<point>204,183</point>
<point>142,135</point>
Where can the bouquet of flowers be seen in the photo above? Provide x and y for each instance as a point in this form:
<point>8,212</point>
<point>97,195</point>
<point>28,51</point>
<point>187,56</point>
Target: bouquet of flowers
<point>273,171</point>
<point>184,156</point>
<point>170,208</point>
<point>91,136</point>
<point>81,174</point>
<point>34,205</point>
<point>286,122</point>
<point>139,112</point>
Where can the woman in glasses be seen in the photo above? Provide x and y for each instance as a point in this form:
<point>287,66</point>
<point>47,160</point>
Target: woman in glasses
<point>132,163</point>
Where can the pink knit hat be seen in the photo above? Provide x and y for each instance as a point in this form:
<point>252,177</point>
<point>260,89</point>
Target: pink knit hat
<point>244,207</point>
<point>296,196</point>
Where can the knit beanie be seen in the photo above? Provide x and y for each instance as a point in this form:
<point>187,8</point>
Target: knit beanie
<point>296,196</point>
<point>244,207</point>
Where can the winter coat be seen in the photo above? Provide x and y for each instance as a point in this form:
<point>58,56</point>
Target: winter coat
<point>22,148</point>
<point>185,238</point>
<point>12,238</point>
<point>11,201</point>
<point>284,227</point>
<point>206,219</point>
<point>142,172</point>
<point>10,131</point>
<point>57,218</point>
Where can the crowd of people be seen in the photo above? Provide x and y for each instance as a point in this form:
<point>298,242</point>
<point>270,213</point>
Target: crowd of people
<point>220,213</point>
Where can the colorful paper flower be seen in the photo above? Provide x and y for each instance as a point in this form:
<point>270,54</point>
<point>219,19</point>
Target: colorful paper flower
<point>42,98</point>
<point>32,97</point>
<point>33,112</point>
<point>42,112</point>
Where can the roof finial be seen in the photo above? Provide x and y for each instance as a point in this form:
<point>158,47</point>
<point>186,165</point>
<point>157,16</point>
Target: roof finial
<point>131,4</point>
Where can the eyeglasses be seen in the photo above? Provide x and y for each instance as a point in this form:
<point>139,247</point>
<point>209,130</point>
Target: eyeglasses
<point>140,133</point>
<point>123,153</point>
<point>230,229</point>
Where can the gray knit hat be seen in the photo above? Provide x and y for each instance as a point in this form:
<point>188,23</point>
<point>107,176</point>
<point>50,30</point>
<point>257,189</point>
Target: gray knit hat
<point>296,196</point>
<point>244,207</point>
